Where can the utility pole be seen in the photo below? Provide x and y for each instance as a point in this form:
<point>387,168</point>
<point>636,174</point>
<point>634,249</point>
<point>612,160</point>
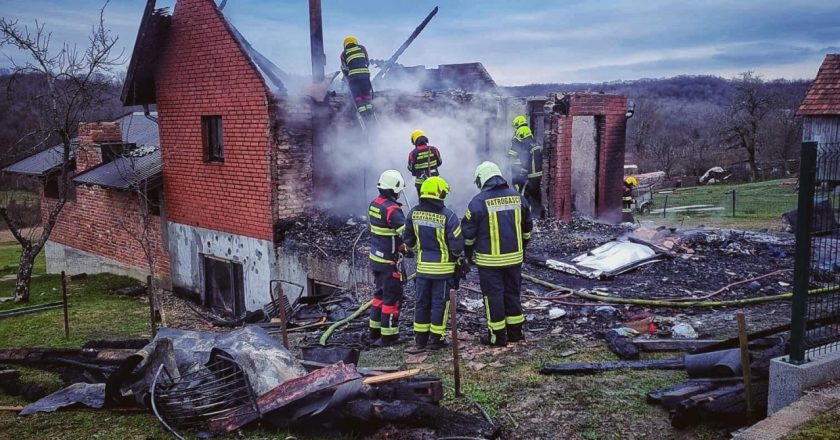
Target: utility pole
<point>316,41</point>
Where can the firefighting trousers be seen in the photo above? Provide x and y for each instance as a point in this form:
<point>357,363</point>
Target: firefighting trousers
<point>385,309</point>
<point>362,92</point>
<point>501,288</point>
<point>431,305</point>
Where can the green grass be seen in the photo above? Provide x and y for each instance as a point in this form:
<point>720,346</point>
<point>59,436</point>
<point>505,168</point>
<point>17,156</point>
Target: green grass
<point>757,205</point>
<point>531,405</point>
<point>10,258</point>
<point>822,427</point>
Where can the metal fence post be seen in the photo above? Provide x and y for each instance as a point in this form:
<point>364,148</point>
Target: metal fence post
<point>733,203</point>
<point>802,261</point>
<point>665,208</point>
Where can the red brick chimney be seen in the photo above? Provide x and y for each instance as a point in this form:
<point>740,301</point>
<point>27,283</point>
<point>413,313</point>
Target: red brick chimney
<point>91,133</point>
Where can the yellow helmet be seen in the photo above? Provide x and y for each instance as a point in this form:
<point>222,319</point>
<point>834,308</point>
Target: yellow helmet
<point>523,133</point>
<point>348,40</point>
<point>519,121</point>
<point>631,181</point>
<point>485,171</point>
<point>415,135</point>
<point>434,188</point>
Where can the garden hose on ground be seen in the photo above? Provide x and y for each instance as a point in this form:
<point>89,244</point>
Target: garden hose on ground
<point>677,304</point>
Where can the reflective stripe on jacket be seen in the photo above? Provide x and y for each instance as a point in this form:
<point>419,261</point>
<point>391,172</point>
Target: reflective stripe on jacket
<point>423,162</point>
<point>433,232</point>
<point>354,60</point>
<point>497,225</point>
<point>387,223</point>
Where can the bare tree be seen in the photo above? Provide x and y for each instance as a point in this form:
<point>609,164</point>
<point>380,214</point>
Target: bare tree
<point>74,80</point>
<point>141,219</point>
<point>746,117</point>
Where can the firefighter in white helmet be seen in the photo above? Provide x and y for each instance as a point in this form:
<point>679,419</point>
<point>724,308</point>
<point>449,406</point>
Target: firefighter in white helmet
<point>387,223</point>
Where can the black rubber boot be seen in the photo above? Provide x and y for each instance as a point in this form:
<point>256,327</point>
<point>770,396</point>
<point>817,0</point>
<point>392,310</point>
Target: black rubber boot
<point>374,334</point>
<point>420,340</point>
<point>514,333</point>
<point>387,341</point>
<point>496,339</point>
<point>436,342</point>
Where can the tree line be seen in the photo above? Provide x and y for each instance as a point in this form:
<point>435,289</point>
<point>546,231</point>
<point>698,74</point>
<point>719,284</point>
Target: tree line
<point>687,124</point>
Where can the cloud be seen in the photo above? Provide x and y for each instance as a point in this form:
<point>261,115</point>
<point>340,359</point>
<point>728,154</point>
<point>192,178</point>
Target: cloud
<point>518,42</point>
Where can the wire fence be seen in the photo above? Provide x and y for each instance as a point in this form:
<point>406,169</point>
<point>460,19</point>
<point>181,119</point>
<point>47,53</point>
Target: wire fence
<point>815,319</point>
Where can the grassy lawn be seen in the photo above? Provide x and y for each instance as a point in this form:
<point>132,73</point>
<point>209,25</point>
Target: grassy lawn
<point>822,427</point>
<point>757,205</point>
<point>95,311</point>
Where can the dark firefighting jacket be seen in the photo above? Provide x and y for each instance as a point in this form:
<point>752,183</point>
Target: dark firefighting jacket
<point>497,225</point>
<point>433,232</point>
<point>387,223</point>
<point>423,162</point>
<point>525,158</point>
<point>354,61</point>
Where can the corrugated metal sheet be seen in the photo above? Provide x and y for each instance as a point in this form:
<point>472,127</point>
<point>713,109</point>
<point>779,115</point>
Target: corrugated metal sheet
<point>125,172</point>
<point>135,127</point>
<point>39,163</point>
<point>823,97</point>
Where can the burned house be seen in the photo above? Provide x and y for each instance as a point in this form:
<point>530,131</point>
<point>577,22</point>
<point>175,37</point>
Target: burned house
<point>245,153</point>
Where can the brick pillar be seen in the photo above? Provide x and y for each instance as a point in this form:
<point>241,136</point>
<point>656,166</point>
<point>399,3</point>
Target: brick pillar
<point>91,133</point>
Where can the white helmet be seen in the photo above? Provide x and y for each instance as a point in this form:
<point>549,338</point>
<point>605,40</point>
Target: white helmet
<point>484,172</point>
<point>391,179</point>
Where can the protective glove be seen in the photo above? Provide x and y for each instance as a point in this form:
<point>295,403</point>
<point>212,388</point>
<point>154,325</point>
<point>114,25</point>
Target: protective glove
<point>463,268</point>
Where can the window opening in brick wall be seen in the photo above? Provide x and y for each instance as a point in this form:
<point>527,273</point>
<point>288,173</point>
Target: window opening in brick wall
<point>224,291</point>
<point>320,288</point>
<point>52,186</point>
<point>112,150</point>
<point>154,199</point>
<point>211,134</point>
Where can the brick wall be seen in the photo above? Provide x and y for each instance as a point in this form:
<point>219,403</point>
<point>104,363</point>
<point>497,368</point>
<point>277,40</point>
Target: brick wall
<point>203,71</point>
<point>611,125</point>
<point>106,222</point>
<point>292,156</point>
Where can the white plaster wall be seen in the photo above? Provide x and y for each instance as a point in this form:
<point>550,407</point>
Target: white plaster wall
<point>584,165</point>
<point>187,243</point>
<point>74,261</point>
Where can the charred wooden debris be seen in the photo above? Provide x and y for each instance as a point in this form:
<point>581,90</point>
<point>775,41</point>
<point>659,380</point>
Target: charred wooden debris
<point>215,383</point>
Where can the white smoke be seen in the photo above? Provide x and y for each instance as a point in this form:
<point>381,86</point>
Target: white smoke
<point>461,131</point>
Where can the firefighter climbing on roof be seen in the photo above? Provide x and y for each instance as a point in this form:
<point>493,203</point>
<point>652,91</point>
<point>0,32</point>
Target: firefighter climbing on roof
<point>433,234</point>
<point>627,199</point>
<point>497,228</point>
<point>356,68</point>
<point>423,160</point>
<point>387,223</point>
<point>525,156</point>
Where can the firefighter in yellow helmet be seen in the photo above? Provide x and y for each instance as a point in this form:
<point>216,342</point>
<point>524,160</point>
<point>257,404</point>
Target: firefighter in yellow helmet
<point>525,160</point>
<point>423,160</point>
<point>627,199</point>
<point>356,68</point>
<point>387,223</point>
<point>433,233</point>
<point>497,227</point>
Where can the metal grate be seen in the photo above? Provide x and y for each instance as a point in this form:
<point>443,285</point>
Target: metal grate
<point>815,320</point>
<point>192,400</point>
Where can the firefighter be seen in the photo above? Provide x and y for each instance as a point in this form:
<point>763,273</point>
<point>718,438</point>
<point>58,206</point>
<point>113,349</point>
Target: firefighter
<point>525,156</point>
<point>387,223</point>
<point>355,67</point>
<point>433,233</point>
<point>497,227</point>
<point>423,160</point>
<point>630,184</point>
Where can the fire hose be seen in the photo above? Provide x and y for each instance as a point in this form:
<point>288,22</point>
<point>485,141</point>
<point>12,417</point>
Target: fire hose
<point>676,304</point>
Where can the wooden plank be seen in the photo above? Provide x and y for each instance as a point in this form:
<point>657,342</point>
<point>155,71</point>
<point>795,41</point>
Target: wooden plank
<point>673,344</point>
<point>284,394</point>
<point>389,377</point>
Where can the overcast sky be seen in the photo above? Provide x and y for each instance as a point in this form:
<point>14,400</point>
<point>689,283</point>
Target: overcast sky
<point>518,42</point>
